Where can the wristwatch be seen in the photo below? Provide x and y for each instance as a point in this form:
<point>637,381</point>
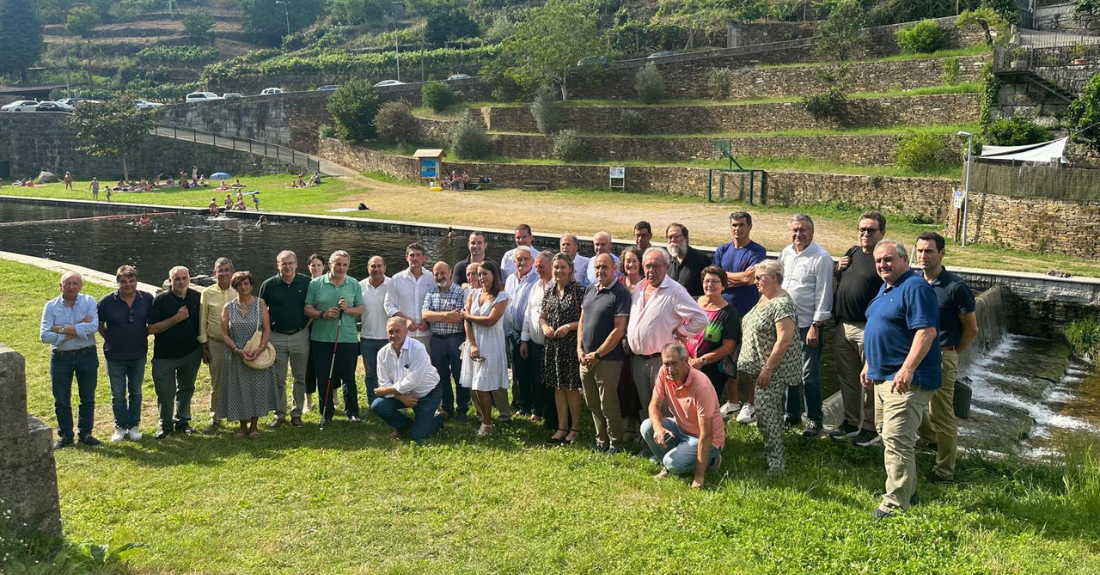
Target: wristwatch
<point>597,354</point>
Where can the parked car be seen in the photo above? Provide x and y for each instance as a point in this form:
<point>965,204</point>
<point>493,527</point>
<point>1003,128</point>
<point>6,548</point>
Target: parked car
<point>231,95</point>
<point>20,106</point>
<point>201,97</point>
<point>458,77</point>
<point>328,87</point>
<point>72,102</point>
<point>270,91</point>
<point>52,107</point>
<point>661,54</point>
<point>146,104</point>
<point>385,83</point>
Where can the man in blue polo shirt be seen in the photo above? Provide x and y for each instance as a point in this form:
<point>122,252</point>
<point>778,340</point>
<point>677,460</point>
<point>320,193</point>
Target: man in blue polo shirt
<point>903,365</point>
<point>122,318</point>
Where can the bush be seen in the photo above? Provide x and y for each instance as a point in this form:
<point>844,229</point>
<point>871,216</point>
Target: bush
<point>468,140</point>
<point>649,85</point>
<point>1083,336</point>
<point>395,123</point>
<point>923,37</point>
<point>951,71</point>
<point>326,131</point>
<point>829,105</point>
<point>1019,131</point>
<point>924,152</point>
<point>568,146</point>
<point>1084,115</point>
<point>633,121</point>
<point>720,83</point>
<point>437,95</point>
<point>199,26</point>
<point>545,110</point>
<point>353,106</point>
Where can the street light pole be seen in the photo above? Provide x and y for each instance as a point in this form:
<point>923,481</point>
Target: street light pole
<point>286,13</point>
<point>966,191</point>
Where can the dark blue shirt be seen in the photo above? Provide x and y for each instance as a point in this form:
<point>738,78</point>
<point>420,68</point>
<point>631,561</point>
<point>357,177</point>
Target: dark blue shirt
<point>893,319</point>
<point>954,299</point>
<point>735,260</point>
<point>125,337</point>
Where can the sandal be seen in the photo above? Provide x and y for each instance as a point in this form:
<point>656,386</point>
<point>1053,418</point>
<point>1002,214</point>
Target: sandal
<point>254,435</point>
<point>574,433</point>
<point>238,435</point>
<point>556,441</point>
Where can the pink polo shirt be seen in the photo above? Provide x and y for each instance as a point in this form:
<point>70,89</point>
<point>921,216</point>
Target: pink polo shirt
<point>694,400</point>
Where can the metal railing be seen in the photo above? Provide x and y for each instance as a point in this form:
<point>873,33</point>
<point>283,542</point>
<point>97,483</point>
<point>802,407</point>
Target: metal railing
<point>266,149</point>
<point>1011,57</point>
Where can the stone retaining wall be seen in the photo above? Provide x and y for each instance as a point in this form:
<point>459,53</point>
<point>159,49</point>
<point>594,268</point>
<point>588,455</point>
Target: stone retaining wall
<point>1034,224</point>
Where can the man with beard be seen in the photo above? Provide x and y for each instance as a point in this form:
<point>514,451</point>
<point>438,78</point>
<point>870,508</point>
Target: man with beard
<point>687,262</point>
<point>443,312</point>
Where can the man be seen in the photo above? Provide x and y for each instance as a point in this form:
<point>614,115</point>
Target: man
<point>406,378</point>
<point>661,311</point>
<point>443,312</point>
<point>568,246</point>
<point>333,301</point>
<point>643,235</point>
<point>532,340</point>
<point>476,245</point>
<point>405,298</point>
<point>693,438</point>
<point>857,283</point>
<point>94,187</point>
<point>122,317</point>
<point>957,328</point>
<point>285,297</point>
<point>212,301</point>
<point>69,324</point>
<point>518,285</point>
<point>808,278</point>
<point>523,238</point>
<point>177,353</point>
<point>375,288</point>
<point>738,258</point>
<point>687,262</point>
<point>903,365</point>
<point>602,243</point>
<point>602,327</point>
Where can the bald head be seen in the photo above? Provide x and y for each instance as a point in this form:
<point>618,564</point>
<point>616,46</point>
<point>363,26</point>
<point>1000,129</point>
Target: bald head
<point>442,273</point>
<point>604,267</point>
<point>71,283</point>
<point>602,242</point>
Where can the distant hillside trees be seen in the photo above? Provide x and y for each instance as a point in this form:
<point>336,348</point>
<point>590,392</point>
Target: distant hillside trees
<point>20,37</point>
<point>199,26</point>
<point>841,36</point>
<point>358,12</point>
<point>266,22</point>
<point>549,43</point>
<point>449,23</point>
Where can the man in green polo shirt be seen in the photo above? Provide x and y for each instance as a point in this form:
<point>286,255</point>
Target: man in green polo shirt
<point>333,301</point>
<point>285,297</point>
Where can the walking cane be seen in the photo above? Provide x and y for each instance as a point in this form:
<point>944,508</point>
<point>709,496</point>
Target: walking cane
<point>331,368</point>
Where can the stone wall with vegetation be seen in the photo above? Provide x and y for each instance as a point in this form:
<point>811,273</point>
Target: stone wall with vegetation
<point>1034,224</point>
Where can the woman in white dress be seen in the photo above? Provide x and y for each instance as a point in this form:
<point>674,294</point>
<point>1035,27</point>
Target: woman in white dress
<point>485,359</point>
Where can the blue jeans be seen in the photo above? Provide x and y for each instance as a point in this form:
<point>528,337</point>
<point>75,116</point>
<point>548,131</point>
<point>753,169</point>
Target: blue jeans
<point>680,452</point>
<point>447,360</point>
<point>426,422</point>
<point>811,380</point>
<point>83,364</point>
<point>126,376</point>
<point>369,348</point>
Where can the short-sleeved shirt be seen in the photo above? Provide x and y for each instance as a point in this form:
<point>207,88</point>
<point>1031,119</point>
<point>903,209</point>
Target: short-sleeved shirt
<point>323,294</point>
<point>696,399</point>
<point>286,302</point>
<point>600,308</point>
<point>182,338</point>
<point>724,323</point>
<point>689,273</point>
<point>126,336</point>
<point>954,298</point>
<point>893,318</point>
<point>736,260</point>
<point>759,337</point>
<point>857,286</point>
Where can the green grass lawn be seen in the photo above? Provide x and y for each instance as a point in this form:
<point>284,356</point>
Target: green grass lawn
<point>348,500</point>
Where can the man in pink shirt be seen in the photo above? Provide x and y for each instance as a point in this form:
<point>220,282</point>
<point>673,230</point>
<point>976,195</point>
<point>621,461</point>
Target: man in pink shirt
<point>692,439</point>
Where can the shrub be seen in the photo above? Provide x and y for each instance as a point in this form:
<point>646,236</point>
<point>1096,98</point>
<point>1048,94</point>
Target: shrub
<point>545,109</point>
<point>649,85</point>
<point>326,131</point>
<point>923,37</point>
<point>633,121</point>
<point>468,140</point>
<point>1019,131</point>
<point>829,105</point>
<point>951,71</point>
<point>568,146</point>
<point>437,95</point>
<point>720,83</point>
<point>177,55</point>
<point>1083,336</point>
<point>199,26</point>
<point>1084,115</point>
<point>924,152</point>
<point>395,123</point>
<point>353,106</point>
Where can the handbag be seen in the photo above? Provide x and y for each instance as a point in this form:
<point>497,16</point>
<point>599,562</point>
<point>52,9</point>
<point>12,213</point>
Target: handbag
<point>961,400</point>
<point>267,356</point>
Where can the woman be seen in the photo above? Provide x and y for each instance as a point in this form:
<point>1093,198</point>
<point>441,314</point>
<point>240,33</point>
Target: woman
<point>630,275</point>
<point>228,203</point>
<point>485,358</point>
<point>771,356</point>
<point>721,336</point>
<point>316,265</point>
<point>246,393</point>
<point>561,312</point>
<point>240,202</point>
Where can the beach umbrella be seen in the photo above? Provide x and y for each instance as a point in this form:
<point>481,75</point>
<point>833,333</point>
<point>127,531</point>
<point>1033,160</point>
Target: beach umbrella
<point>219,176</point>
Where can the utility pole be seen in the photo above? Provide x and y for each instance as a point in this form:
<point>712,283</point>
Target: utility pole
<point>286,13</point>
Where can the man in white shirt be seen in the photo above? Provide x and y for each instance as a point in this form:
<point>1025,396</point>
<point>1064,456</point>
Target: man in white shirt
<point>407,378</point>
<point>372,334</point>
<point>808,278</point>
<point>405,299</point>
<point>524,237</point>
<point>602,243</point>
<point>531,340</point>
<point>519,285</point>
<point>568,247</point>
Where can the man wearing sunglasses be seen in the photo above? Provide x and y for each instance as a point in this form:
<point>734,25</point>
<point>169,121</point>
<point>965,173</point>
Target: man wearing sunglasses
<point>122,318</point>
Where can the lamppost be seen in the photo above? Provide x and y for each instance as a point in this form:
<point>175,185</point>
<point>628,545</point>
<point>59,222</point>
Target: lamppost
<point>966,191</point>
<point>396,46</point>
<point>286,13</point>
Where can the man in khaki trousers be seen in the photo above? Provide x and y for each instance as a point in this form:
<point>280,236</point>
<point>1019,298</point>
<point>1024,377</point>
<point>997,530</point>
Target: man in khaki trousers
<point>213,300</point>
<point>602,327</point>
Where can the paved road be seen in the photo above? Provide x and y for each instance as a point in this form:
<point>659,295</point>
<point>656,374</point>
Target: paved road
<point>270,150</point>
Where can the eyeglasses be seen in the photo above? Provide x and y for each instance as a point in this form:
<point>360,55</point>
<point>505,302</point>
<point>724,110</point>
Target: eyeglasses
<point>758,279</point>
<point>867,231</point>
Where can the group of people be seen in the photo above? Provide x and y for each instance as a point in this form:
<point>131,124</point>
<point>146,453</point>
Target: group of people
<point>650,339</point>
<point>230,205</point>
<point>301,182</point>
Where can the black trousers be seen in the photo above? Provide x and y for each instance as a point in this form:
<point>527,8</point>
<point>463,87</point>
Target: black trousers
<point>343,374</point>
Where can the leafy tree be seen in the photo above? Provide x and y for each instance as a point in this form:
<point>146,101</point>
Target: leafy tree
<point>266,22</point>
<point>841,36</point>
<point>1019,131</point>
<point>353,106</point>
<point>1007,9</point>
<point>449,23</point>
<point>500,27</point>
<point>81,22</point>
<point>52,11</point>
<point>199,26</point>
<point>468,139</point>
<point>396,123</point>
<point>1083,118</point>
<point>988,20</point>
<point>568,146</point>
<point>115,128</point>
<point>548,44</point>
<point>649,85</point>
<point>545,110</point>
<point>358,11</point>
<point>102,8</point>
<point>437,95</point>
<point>20,37</point>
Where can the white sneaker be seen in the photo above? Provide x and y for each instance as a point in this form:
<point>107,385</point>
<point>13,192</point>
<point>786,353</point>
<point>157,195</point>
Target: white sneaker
<point>729,409</point>
<point>135,433</point>
<point>747,414</point>
<point>118,435</point>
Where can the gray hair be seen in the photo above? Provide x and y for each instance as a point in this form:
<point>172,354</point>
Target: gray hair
<point>338,254</point>
<point>664,255</point>
<point>549,255</point>
<point>600,234</point>
<point>285,253</point>
<point>527,249</point>
<point>570,236</point>
<point>803,218</point>
<point>222,261</point>
<point>900,247</point>
<point>678,348</point>
<point>772,268</point>
<point>173,271</point>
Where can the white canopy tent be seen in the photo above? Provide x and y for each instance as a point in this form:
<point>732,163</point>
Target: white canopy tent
<point>1043,153</point>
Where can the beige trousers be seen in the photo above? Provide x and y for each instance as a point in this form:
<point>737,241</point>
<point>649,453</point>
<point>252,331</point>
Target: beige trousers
<point>601,393</point>
<point>217,351</point>
<point>899,416</point>
<point>859,403</point>
<point>938,424</point>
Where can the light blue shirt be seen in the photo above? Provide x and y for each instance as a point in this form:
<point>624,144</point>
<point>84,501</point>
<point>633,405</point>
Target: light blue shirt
<point>519,291</point>
<point>580,269</point>
<point>56,312</point>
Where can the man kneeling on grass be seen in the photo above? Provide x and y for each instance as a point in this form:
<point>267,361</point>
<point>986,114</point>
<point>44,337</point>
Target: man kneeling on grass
<point>692,439</point>
<point>406,378</point>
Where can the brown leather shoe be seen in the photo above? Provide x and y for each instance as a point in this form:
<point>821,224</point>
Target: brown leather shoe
<point>296,422</point>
